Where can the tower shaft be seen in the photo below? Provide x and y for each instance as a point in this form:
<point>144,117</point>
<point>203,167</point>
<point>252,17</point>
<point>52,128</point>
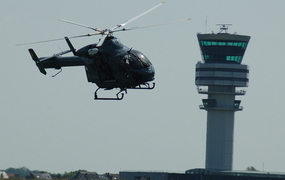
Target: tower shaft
<point>219,143</point>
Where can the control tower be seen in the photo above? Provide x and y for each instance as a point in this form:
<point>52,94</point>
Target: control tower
<point>221,76</point>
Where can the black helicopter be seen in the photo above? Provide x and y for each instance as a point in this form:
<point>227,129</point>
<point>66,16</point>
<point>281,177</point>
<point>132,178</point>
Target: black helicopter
<point>109,64</point>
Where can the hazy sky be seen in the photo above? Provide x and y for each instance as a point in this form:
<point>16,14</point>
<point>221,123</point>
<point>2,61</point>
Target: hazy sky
<point>53,124</point>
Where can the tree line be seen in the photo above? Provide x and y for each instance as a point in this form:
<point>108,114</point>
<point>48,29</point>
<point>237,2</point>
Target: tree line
<point>24,172</point>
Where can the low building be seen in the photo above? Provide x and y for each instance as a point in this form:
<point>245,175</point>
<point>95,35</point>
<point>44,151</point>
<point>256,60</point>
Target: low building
<point>125,175</point>
<point>202,174</point>
<point>3,175</point>
<point>39,175</point>
<point>84,175</point>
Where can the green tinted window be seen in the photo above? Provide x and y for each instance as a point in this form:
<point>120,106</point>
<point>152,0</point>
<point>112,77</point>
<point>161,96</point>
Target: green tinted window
<point>234,58</point>
<point>206,57</point>
<point>220,43</point>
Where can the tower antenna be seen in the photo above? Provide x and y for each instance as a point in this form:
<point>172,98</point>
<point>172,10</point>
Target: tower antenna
<point>206,23</point>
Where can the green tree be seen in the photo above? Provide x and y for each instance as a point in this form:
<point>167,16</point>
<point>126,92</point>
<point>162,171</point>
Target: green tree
<point>56,176</point>
<point>70,175</point>
<point>22,172</point>
<point>251,168</point>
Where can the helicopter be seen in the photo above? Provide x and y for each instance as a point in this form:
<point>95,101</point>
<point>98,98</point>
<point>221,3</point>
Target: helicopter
<point>109,64</point>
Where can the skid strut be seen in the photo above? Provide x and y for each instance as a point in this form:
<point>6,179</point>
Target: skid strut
<point>144,86</point>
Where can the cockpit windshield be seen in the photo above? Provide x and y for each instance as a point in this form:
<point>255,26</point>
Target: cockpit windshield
<point>137,60</point>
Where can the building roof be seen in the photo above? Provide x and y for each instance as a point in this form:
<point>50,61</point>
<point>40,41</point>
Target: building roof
<point>223,36</point>
<point>40,175</point>
<point>238,173</point>
<point>84,175</point>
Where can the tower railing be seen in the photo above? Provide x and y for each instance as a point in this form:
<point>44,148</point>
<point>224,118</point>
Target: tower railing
<point>239,108</point>
<point>205,91</point>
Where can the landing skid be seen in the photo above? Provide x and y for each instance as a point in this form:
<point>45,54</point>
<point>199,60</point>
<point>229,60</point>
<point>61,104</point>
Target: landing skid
<point>119,95</point>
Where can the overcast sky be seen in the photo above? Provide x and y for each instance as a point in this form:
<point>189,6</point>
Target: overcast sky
<point>53,124</point>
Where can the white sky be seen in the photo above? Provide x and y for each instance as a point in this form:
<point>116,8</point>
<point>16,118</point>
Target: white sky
<point>53,124</point>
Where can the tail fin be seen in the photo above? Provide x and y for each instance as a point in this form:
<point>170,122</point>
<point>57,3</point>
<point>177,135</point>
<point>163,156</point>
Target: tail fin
<point>37,61</point>
<point>70,46</point>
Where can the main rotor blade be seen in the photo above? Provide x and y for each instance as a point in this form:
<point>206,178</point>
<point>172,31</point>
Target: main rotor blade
<point>74,23</point>
<point>58,39</point>
<point>136,17</point>
<point>37,42</point>
<point>140,27</point>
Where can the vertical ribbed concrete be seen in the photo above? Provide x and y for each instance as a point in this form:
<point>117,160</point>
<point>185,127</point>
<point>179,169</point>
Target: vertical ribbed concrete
<point>219,144</point>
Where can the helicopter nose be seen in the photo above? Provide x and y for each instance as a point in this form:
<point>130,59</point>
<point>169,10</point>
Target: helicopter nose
<point>145,74</point>
<point>150,74</point>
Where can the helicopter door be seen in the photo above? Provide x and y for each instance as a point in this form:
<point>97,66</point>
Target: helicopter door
<point>105,70</point>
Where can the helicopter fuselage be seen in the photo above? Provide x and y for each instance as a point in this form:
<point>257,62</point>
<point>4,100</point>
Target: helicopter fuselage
<point>111,65</point>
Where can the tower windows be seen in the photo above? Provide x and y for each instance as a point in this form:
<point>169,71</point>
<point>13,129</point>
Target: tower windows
<point>222,43</point>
